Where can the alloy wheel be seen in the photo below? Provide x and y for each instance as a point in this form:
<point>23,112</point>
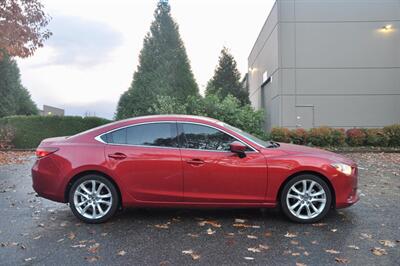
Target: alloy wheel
<point>93,199</point>
<point>306,199</point>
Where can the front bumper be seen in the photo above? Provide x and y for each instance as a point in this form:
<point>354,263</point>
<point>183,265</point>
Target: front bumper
<point>346,189</point>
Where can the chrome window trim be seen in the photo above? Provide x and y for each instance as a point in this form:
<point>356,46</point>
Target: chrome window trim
<point>98,138</point>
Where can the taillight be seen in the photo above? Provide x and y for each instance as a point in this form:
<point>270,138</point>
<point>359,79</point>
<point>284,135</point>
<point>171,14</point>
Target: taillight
<point>42,152</point>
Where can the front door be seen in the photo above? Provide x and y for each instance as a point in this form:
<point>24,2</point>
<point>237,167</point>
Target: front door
<point>147,161</point>
<point>214,174</point>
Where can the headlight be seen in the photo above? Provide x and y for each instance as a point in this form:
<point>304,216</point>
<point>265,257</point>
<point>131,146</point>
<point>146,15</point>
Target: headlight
<point>341,167</point>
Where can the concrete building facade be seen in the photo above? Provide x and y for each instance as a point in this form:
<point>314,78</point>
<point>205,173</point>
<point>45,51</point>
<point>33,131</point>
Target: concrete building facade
<point>328,62</point>
<point>51,111</point>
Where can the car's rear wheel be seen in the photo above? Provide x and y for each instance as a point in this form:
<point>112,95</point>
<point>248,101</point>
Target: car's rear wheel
<point>93,199</point>
<point>306,198</point>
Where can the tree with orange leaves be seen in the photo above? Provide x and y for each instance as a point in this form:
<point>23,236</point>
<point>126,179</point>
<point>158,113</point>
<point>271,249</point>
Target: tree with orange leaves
<point>22,27</point>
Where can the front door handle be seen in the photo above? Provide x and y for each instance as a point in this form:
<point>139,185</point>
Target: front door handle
<point>117,156</point>
<point>195,161</point>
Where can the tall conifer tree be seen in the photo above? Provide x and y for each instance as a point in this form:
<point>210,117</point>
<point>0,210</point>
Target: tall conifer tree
<point>226,79</point>
<point>164,68</point>
<point>14,98</point>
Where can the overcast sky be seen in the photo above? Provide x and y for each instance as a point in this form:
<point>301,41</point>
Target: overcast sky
<point>90,59</point>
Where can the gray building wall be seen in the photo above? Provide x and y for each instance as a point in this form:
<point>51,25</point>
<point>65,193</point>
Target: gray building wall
<point>329,63</point>
<point>51,111</point>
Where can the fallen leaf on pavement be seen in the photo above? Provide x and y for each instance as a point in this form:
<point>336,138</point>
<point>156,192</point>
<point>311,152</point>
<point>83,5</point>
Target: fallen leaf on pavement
<point>210,231</point>
<point>245,225</point>
<point>258,248</point>
<point>354,247</point>
<point>255,250</point>
<point>300,264</point>
<point>162,226</point>
<point>294,242</point>
<point>193,254</point>
<point>342,260</point>
<point>332,251</point>
<point>268,234</point>
<point>92,258</point>
<point>290,235</point>
<point>78,246</point>
<point>306,253</point>
<point>319,224</point>
<point>121,253</point>
<point>378,251</point>
<point>295,254</point>
<point>387,243</point>
<point>212,223</point>
<point>363,236</point>
<point>71,235</point>
<point>94,248</point>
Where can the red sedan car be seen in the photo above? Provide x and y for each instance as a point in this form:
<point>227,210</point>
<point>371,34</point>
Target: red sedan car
<point>189,161</point>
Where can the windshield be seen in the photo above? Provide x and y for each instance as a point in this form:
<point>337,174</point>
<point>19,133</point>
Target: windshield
<point>247,135</point>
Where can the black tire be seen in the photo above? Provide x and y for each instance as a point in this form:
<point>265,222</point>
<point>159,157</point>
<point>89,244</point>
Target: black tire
<point>293,181</point>
<point>112,189</point>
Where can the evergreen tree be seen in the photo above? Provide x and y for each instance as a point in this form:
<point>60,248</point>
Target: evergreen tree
<point>164,68</point>
<point>14,98</point>
<point>226,79</point>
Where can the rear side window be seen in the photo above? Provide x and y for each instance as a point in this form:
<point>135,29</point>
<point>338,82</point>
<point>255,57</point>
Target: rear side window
<point>155,134</point>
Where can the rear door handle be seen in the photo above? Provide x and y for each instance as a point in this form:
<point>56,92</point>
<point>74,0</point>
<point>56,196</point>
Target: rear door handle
<point>195,161</point>
<point>117,156</point>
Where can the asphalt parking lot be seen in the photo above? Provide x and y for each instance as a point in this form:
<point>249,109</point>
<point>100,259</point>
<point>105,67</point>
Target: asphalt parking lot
<point>35,231</point>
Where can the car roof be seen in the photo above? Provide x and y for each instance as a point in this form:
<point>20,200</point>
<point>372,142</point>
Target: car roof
<point>176,117</point>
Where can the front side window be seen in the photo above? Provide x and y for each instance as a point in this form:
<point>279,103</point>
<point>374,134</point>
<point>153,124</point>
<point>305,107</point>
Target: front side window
<point>154,134</point>
<point>201,137</point>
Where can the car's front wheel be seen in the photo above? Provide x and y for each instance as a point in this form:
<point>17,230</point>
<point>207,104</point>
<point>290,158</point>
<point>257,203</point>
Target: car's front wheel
<point>306,198</point>
<point>93,199</point>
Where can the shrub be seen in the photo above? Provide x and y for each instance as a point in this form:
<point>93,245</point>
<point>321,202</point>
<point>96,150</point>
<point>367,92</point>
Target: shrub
<point>393,134</point>
<point>355,137</point>
<point>376,137</point>
<point>280,134</point>
<point>321,136</point>
<point>338,136</point>
<point>298,136</point>
<point>31,130</point>
<point>228,110</point>
<point>7,135</point>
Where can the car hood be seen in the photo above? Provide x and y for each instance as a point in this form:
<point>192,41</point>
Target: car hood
<point>292,149</point>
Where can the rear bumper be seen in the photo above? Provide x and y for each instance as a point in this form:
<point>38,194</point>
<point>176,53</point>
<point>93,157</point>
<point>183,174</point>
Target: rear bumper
<point>46,180</point>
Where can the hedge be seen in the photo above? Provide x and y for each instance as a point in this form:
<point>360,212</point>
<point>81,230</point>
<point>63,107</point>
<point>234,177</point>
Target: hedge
<point>388,136</point>
<point>26,132</point>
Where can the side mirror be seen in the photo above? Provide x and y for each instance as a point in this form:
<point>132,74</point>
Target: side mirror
<point>238,148</point>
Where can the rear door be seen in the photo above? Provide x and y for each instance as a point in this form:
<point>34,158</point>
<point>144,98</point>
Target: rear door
<point>146,160</point>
